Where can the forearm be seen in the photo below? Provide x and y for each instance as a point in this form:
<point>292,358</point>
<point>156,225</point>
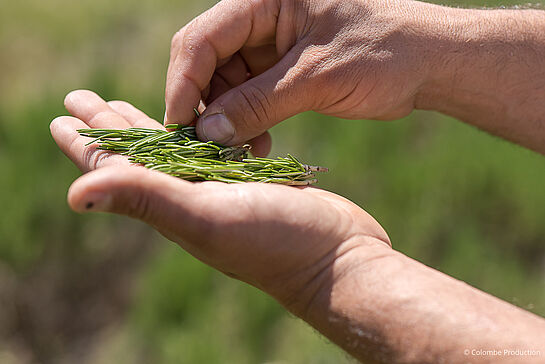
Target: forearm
<point>393,309</point>
<point>487,68</point>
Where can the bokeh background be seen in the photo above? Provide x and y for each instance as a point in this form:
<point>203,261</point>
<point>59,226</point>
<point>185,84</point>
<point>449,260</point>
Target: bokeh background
<point>106,289</point>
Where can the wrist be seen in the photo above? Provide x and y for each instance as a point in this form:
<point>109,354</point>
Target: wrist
<point>356,258</point>
<point>445,34</point>
<point>453,42</point>
<point>476,60</point>
<point>426,39</point>
<point>349,302</point>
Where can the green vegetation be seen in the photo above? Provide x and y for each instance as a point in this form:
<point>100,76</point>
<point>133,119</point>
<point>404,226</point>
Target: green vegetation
<point>178,152</point>
<point>105,289</point>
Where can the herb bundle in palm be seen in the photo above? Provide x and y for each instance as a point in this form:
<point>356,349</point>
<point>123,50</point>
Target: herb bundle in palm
<point>178,152</point>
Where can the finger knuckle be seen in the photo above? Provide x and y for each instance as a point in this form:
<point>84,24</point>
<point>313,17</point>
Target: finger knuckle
<point>139,206</point>
<point>320,65</point>
<point>258,106</point>
<point>176,39</point>
<point>192,35</point>
<point>95,158</point>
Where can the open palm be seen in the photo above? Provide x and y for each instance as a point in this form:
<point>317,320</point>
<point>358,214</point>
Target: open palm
<point>281,239</point>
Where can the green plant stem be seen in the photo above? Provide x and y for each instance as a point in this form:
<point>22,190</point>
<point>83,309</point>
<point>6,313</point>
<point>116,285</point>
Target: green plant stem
<point>179,153</point>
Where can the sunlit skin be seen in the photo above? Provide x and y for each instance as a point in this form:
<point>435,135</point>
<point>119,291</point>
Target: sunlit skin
<point>260,233</point>
<point>321,256</point>
<point>259,62</point>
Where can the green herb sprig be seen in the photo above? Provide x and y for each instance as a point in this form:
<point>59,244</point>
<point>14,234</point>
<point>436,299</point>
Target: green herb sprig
<point>178,152</point>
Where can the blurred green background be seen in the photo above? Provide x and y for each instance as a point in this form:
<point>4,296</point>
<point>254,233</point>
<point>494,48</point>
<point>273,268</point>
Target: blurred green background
<point>106,289</point>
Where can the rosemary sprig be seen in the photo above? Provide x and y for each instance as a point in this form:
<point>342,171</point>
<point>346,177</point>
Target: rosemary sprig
<point>178,152</point>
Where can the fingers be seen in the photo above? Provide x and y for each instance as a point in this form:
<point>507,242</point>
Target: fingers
<point>253,107</point>
<point>231,74</point>
<point>234,72</point>
<point>213,36</point>
<point>261,145</point>
<point>260,59</point>
<point>93,110</point>
<point>135,117</point>
<point>158,199</point>
<point>85,157</point>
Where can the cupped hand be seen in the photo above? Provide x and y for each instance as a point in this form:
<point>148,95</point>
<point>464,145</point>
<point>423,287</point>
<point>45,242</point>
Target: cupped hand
<point>284,240</point>
<point>256,63</point>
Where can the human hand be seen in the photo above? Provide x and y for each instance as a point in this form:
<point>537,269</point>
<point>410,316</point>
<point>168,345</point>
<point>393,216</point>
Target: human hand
<point>290,242</point>
<point>318,254</point>
<point>256,63</point>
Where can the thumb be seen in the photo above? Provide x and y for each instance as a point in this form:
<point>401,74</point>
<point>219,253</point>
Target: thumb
<point>248,110</point>
<point>153,197</point>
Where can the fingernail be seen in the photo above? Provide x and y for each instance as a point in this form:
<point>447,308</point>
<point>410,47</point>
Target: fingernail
<point>165,118</point>
<point>96,201</point>
<point>218,128</point>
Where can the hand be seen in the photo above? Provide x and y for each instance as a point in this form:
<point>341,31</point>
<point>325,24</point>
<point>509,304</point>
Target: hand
<point>286,241</point>
<point>318,254</point>
<point>256,63</point>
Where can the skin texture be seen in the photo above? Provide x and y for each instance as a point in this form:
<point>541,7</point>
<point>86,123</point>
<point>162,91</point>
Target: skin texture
<point>279,58</point>
<point>321,256</point>
<point>259,233</point>
<point>489,71</point>
<point>257,62</point>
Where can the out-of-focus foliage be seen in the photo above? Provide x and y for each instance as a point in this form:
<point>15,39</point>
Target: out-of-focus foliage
<point>105,289</point>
